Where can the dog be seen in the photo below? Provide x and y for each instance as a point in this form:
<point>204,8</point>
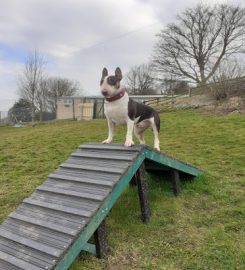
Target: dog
<point>120,109</point>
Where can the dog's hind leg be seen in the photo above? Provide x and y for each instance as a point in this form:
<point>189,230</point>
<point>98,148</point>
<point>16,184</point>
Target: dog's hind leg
<point>156,128</point>
<point>138,132</point>
<point>156,139</point>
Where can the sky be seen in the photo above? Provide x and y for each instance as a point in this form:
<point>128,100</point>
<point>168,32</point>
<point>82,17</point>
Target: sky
<point>79,37</point>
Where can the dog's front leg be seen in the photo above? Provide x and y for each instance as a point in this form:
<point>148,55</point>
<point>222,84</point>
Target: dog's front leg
<point>111,126</point>
<point>129,136</point>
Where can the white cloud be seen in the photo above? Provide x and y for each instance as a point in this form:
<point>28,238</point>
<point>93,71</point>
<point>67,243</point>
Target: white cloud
<point>8,80</point>
<point>80,37</point>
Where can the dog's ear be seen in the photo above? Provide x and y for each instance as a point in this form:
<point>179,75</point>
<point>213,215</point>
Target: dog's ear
<point>104,73</point>
<point>118,74</point>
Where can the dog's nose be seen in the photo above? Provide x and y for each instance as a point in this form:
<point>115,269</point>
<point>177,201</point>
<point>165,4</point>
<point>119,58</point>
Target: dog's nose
<point>104,93</point>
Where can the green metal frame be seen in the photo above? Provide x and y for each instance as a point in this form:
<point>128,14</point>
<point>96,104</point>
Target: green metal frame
<point>82,241</point>
<point>91,248</point>
<point>171,162</point>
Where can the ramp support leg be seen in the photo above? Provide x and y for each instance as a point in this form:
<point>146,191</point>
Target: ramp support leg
<point>175,182</point>
<point>101,243</point>
<point>133,181</point>
<point>143,194</point>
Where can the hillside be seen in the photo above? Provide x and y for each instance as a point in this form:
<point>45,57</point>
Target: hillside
<point>203,228</point>
<point>234,104</point>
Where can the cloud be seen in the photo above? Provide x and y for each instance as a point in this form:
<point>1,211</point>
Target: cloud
<point>79,38</point>
<point>8,80</point>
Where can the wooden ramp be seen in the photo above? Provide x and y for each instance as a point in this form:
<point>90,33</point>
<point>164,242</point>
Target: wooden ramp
<point>51,227</point>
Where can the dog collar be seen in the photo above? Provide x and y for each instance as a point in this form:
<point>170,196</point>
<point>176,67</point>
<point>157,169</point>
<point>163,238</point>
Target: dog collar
<point>117,96</point>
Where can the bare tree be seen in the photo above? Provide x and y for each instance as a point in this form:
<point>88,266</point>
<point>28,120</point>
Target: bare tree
<point>139,80</point>
<point>193,47</point>
<point>29,80</point>
<point>60,87</point>
<point>229,68</point>
<point>226,80</point>
<point>42,97</point>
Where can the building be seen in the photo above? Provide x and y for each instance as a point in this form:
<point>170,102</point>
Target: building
<point>89,107</point>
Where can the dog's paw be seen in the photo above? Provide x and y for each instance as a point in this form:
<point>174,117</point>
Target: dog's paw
<point>157,148</point>
<point>107,141</point>
<point>129,143</point>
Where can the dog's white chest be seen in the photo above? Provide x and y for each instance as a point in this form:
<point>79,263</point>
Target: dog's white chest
<point>117,111</point>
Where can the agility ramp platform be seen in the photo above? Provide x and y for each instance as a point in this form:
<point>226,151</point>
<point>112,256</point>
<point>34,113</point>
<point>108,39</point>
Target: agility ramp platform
<point>51,227</point>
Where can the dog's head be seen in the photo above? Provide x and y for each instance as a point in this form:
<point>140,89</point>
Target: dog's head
<point>110,84</point>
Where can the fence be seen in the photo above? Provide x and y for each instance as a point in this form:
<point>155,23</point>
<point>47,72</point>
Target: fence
<point>74,108</point>
<point>166,102</point>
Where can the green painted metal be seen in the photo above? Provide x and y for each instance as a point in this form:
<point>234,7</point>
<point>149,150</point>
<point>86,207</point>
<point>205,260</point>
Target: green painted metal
<point>91,248</point>
<point>146,153</point>
<point>78,245</point>
<point>171,162</point>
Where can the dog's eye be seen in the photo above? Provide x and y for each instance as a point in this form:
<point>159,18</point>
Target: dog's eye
<point>111,80</point>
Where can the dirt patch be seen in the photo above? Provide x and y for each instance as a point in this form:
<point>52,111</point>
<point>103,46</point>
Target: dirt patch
<point>123,263</point>
<point>232,105</point>
<point>194,101</point>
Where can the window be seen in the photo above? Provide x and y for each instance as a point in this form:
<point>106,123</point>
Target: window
<point>67,102</point>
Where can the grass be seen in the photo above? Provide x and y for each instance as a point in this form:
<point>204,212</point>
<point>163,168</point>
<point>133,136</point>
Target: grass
<point>203,228</point>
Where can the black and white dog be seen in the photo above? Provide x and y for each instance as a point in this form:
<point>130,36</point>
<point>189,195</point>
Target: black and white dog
<point>120,109</point>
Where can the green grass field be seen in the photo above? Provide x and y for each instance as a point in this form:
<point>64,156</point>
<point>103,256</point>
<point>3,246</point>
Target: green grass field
<point>203,228</point>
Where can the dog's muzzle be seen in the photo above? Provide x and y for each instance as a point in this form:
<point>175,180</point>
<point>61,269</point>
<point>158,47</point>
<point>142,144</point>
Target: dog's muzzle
<point>104,93</point>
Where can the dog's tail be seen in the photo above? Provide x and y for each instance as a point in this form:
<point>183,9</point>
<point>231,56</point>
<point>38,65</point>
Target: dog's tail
<point>157,121</point>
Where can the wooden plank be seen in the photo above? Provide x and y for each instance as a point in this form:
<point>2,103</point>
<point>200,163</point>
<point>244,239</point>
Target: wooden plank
<point>105,176</point>
<point>108,153</point>
<point>98,155</point>
<point>61,208</point>
<point>92,168</point>
<point>135,148</point>
<point>7,266</point>
<point>44,224</point>
<point>36,233</point>
<point>45,217</point>
<point>21,264</point>
<point>78,187</point>
<point>30,243</point>
<point>71,193</point>
<point>67,219</point>
<point>82,180</point>
<point>83,238</point>
<point>16,249</point>
<point>100,163</point>
<point>66,201</point>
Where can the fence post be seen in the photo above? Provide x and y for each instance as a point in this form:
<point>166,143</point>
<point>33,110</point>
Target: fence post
<point>95,109</point>
<point>73,108</point>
